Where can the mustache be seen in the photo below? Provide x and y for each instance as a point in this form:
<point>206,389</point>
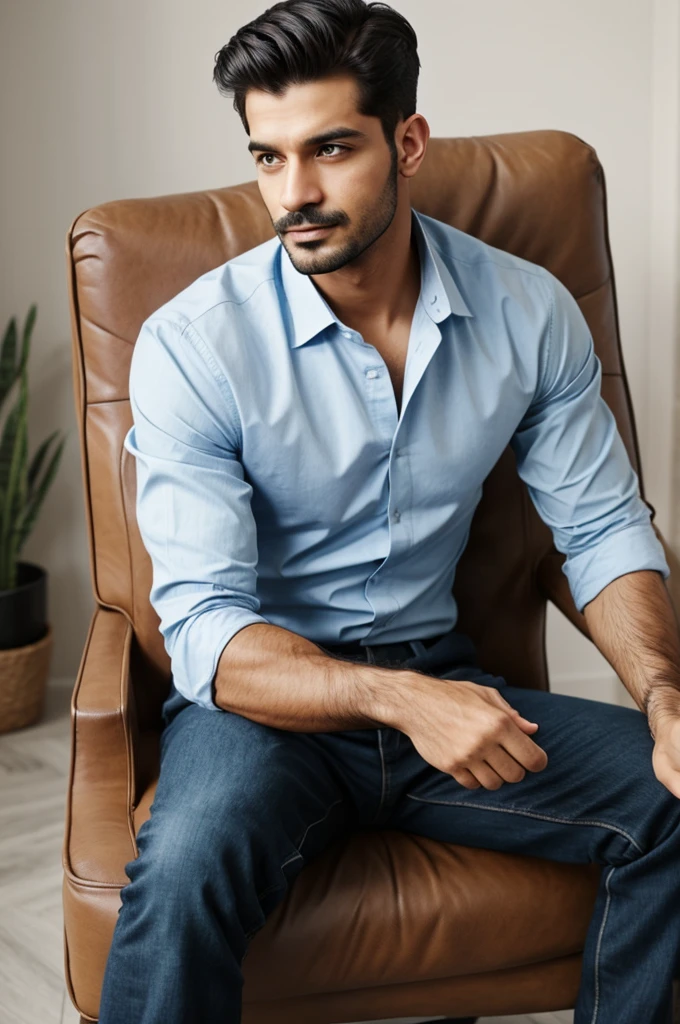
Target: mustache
<point>310,218</point>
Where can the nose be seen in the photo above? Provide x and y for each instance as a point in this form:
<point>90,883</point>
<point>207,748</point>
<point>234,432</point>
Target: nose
<point>300,186</point>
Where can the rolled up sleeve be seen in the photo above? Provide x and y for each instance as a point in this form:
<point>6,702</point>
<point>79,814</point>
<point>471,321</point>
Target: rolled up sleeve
<point>571,456</point>
<point>193,504</point>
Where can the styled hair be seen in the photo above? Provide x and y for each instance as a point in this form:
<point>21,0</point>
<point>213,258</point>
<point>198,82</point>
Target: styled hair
<point>299,41</point>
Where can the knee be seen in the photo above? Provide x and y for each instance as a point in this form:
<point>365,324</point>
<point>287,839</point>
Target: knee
<point>185,853</point>
<point>222,827</point>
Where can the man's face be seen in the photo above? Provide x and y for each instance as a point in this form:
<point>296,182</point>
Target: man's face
<point>323,165</point>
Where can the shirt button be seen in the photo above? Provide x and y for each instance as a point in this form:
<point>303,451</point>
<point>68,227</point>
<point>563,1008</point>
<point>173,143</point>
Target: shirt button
<point>396,515</point>
<point>371,374</point>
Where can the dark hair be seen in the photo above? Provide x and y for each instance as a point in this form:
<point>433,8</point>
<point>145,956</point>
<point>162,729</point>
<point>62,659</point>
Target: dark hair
<point>298,41</point>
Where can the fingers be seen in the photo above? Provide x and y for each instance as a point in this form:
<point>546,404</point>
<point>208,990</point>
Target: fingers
<point>506,766</point>
<point>508,707</point>
<point>516,742</point>
<point>486,775</point>
<point>498,768</point>
<point>465,777</point>
<point>523,749</point>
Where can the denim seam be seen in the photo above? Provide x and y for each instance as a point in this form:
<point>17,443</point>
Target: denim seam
<point>531,814</point>
<point>318,822</point>
<point>297,854</point>
<point>382,791</point>
<point>599,944</point>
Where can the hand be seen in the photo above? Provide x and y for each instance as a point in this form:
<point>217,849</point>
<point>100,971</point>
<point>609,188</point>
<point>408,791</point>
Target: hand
<point>663,710</point>
<point>471,732</point>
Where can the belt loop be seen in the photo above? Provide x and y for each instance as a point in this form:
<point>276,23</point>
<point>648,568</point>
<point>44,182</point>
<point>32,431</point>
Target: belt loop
<point>418,647</point>
<point>370,656</point>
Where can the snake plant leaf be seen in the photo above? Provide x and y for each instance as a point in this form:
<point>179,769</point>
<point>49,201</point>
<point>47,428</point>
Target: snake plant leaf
<point>26,339</point>
<point>38,460</point>
<point>27,518</point>
<point>7,442</point>
<point>9,372</point>
<point>14,497</point>
<point>22,487</point>
<point>7,359</point>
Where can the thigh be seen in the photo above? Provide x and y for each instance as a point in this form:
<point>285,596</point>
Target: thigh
<point>237,796</point>
<point>597,799</point>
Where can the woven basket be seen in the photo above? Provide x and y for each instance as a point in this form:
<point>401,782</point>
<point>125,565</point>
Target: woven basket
<point>24,672</point>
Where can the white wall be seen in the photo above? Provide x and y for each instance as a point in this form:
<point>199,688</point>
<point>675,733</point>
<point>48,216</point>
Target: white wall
<point>103,100</point>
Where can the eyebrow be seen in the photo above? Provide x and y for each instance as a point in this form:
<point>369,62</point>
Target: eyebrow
<point>314,140</point>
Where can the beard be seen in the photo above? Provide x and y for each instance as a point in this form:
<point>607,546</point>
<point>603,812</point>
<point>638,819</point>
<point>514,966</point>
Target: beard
<point>372,224</point>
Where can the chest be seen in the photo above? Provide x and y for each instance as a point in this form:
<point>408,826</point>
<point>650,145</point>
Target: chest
<point>393,350</point>
<point>329,439</point>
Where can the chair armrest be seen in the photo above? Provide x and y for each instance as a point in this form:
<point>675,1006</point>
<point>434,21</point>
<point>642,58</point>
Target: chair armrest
<point>99,835</point>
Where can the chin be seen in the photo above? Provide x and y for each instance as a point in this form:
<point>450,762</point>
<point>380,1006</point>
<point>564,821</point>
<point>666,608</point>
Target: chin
<point>312,257</point>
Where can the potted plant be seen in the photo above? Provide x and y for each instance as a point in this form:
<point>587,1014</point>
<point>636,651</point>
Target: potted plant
<point>25,633</point>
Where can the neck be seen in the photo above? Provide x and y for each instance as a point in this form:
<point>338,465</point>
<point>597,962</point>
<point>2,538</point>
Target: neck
<point>382,285</point>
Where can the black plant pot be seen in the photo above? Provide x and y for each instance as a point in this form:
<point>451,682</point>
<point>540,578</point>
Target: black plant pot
<point>23,609</point>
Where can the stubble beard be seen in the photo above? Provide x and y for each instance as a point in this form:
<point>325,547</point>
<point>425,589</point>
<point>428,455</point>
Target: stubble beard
<point>371,227</point>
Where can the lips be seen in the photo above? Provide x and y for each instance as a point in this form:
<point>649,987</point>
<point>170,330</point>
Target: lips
<point>310,228</point>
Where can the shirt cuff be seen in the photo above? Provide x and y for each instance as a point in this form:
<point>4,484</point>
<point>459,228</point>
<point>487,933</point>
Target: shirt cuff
<point>628,550</point>
<point>197,651</point>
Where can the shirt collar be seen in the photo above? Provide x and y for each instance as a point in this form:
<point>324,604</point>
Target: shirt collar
<point>311,314</point>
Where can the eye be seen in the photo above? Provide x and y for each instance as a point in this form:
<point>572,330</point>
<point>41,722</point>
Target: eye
<point>264,160</point>
<point>333,145</point>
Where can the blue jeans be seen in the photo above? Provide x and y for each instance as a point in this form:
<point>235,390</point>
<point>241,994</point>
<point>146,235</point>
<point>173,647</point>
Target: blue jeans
<point>241,807</point>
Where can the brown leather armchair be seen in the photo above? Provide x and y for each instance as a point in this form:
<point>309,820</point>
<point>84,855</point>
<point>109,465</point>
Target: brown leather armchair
<point>382,924</point>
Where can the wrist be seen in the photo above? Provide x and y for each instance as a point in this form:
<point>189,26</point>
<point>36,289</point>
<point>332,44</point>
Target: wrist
<point>390,693</point>
<point>662,702</point>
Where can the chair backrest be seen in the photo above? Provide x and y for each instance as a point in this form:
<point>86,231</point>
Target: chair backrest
<point>539,194</point>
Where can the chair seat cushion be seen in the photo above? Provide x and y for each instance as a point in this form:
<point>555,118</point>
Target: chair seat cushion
<point>354,916</point>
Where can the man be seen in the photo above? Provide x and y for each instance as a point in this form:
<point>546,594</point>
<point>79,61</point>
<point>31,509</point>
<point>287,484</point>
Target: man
<point>313,423</point>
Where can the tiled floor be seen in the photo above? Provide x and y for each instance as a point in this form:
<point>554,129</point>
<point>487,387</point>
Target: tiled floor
<point>33,775</point>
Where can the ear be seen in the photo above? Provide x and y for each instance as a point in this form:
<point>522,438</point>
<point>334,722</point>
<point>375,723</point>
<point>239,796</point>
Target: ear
<point>411,138</point>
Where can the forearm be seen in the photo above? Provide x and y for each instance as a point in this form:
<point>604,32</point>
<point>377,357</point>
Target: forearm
<point>276,677</point>
<point>633,623</point>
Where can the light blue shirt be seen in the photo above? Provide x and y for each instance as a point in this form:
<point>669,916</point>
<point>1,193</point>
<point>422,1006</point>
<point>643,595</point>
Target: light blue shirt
<point>277,484</point>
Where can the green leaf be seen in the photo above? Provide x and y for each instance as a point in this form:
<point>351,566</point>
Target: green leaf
<point>15,492</point>
<point>21,490</point>
<point>26,339</point>
<point>27,519</point>
<point>7,442</point>
<point>8,373</point>
<point>38,460</point>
